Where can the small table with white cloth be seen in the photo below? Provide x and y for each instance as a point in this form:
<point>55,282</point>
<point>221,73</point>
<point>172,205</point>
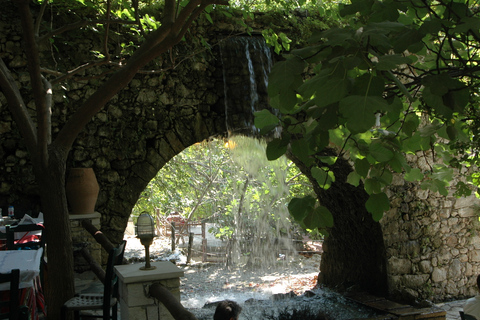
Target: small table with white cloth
<point>27,261</point>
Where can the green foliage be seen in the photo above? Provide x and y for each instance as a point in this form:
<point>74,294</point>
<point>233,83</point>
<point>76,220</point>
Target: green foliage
<point>218,180</point>
<point>392,78</point>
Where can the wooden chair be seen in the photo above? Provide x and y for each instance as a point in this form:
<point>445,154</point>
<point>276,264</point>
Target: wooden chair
<point>10,309</point>
<point>104,302</point>
<point>27,242</point>
<point>465,316</point>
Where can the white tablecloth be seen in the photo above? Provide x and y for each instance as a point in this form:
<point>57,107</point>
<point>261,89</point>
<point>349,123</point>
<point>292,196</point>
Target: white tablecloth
<point>28,261</point>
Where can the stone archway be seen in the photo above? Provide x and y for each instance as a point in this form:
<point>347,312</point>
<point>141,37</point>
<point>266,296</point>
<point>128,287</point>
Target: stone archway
<point>158,115</point>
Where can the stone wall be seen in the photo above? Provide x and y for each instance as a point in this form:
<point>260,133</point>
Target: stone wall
<point>432,242</point>
<point>154,118</point>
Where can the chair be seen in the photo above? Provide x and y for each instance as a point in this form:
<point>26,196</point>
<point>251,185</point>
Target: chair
<point>28,241</point>
<point>106,301</point>
<point>465,316</point>
<point>10,305</point>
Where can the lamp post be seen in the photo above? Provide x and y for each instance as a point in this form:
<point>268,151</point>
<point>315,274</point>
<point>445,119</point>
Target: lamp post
<point>146,232</point>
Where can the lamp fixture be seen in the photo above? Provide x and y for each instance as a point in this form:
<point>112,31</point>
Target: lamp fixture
<point>145,230</point>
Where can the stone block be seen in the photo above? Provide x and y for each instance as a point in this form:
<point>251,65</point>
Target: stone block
<point>425,266</point>
<point>415,281</point>
<point>134,289</point>
<point>134,294</point>
<point>399,266</point>
<point>137,313</point>
<point>455,269</point>
<point>467,212</point>
<point>451,241</point>
<point>439,275</point>
<point>466,202</point>
<point>474,255</point>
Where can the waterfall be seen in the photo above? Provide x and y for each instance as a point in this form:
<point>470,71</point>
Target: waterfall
<point>246,63</point>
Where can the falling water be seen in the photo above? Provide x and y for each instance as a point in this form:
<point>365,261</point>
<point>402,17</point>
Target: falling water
<point>253,81</point>
<point>246,63</point>
<point>263,233</point>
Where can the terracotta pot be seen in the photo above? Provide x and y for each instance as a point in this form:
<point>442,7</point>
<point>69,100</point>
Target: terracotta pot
<point>82,190</point>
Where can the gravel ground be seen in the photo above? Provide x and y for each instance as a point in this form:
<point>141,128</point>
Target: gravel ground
<point>287,284</point>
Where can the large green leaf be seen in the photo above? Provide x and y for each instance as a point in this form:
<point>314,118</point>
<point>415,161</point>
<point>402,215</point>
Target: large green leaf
<point>362,167</point>
<point>391,61</point>
<point>323,177</point>
<point>265,120</point>
<point>360,111</point>
<point>398,163</point>
<point>353,178</point>
<point>324,88</point>
<point>320,217</point>
<point>372,186</point>
<point>380,153</point>
<point>414,175</point>
<point>368,85</point>
<point>442,173</point>
<point>301,149</point>
<point>377,204</point>
<point>276,148</point>
<point>300,207</point>
<point>284,79</point>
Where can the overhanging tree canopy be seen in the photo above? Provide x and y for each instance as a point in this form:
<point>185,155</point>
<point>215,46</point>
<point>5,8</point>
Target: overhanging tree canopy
<point>397,77</point>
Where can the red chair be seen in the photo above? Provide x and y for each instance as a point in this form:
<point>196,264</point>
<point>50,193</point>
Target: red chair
<point>29,239</point>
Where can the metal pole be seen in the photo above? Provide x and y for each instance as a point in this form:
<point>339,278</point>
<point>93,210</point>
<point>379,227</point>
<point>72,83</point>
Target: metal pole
<point>173,236</point>
<point>190,244</point>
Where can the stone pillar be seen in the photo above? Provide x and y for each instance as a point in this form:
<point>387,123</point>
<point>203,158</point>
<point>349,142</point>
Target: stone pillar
<point>82,238</point>
<point>135,304</point>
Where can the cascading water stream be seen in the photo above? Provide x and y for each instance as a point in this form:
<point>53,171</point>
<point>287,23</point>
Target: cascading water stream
<point>246,63</point>
<point>253,81</point>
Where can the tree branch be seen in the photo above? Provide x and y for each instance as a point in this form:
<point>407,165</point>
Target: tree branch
<point>39,92</point>
<point>17,108</point>
<point>78,25</point>
<point>107,29</point>
<point>169,12</point>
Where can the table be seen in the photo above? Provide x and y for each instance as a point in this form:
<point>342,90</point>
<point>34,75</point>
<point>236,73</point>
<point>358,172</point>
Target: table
<point>27,261</point>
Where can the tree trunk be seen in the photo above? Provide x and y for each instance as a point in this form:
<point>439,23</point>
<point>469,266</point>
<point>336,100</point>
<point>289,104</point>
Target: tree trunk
<point>59,286</point>
<point>354,252</point>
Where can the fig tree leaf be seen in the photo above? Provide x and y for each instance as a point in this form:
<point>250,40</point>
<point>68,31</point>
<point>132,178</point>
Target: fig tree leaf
<point>264,119</point>
<point>360,111</point>
<point>380,153</point>
<point>362,166</point>
<point>276,148</point>
<point>372,186</point>
<point>414,175</point>
<point>354,178</point>
<point>377,204</point>
<point>284,79</point>
<point>300,207</point>
<point>391,61</point>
